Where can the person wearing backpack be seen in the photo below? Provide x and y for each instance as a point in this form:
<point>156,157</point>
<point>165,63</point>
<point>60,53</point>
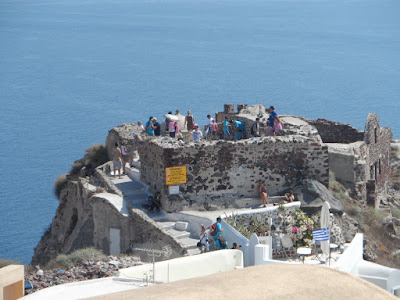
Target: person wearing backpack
<point>216,234</point>
<point>203,244</point>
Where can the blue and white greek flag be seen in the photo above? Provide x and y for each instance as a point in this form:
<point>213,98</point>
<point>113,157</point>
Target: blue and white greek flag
<point>321,234</point>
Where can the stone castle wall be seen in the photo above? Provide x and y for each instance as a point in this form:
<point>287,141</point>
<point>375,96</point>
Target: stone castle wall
<point>333,132</point>
<point>220,171</point>
<point>378,157</point>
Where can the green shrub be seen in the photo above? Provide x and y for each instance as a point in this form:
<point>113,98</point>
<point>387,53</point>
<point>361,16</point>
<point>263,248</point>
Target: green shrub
<point>77,167</point>
<point>96,155</point>
<point>376,214</point>
<point>6,262</point>
<point>64,261</point>
<point>395,212</point>
<point>60,183</point>
<point>395,152</point>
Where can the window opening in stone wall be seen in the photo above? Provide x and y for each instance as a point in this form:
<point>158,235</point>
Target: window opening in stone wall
<point>376,170</point>
<point>379,164</point>
<point>371,172</point>
<point>376,135</point>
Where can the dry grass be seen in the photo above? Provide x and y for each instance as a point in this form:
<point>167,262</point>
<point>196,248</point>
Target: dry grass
<point>64,261</point>
<point>5,262</point>
<point>60,183</point>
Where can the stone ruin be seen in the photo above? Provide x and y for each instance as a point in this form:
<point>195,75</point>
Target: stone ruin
<point>223,173</point>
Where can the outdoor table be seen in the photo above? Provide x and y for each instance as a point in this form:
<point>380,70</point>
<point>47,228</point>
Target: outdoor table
<point>303,251</point>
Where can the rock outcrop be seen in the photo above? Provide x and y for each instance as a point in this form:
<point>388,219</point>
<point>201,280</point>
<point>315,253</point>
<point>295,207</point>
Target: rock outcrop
<point>313,194</point>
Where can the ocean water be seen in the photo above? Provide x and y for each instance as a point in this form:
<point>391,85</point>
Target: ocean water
<point>70,70</point>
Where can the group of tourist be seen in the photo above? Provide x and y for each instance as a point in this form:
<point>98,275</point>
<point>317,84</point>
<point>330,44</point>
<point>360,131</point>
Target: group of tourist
<point>215,232</point>
<point>153,128</point>
<point>122,154</point>
<point>153,202</point>
<point>232,129</point>
<point>262,193</point>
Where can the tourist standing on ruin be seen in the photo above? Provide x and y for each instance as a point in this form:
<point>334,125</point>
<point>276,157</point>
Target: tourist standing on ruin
<point>262,193</point>
<point>197,134</point>
<point>140,124</point>
<point>214,129</point>
<point>189,124</point>
<point>210,119</point>
<point>274,121</point>
<point>255,129</point>
<point>156,127</point>
<point>149,127</point>
<point>116,157</point>
<point>173,128</point>
<point>125,156</point>
<point>278,125</point>
<point>167,122</point>
<point>225,124</point>
<point>239,126</point>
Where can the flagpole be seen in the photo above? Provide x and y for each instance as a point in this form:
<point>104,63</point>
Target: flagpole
<point>329,244</point>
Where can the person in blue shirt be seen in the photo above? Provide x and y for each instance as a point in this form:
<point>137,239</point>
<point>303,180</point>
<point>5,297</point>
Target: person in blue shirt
<point>272,115</point>
<point>149,127</point>
<point>218,229</point>
<point>227,134</point>
<point>274,121</point>
<point>240,128</point>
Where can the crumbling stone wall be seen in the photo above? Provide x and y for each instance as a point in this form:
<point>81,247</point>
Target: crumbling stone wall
<point>333,132</point>
<point>377,140</point>
<point>220,171</point>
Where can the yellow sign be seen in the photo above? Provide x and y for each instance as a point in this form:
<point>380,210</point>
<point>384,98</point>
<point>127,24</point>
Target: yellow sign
<point>175,175</point>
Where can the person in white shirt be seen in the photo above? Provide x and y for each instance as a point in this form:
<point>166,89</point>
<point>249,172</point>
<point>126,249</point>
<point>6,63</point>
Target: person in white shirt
<point>210,121</point>
<point>197,134</point>
<point>204,243</point>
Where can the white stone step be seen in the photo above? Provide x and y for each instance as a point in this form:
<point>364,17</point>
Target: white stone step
<point>166,225</point>
<point>193,251</point>
<point>189,243</point>
<point>177,234</point>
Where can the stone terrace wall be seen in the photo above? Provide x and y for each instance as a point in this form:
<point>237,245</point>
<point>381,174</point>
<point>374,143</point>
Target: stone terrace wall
<point>333,132</point>
<point>221,171</point>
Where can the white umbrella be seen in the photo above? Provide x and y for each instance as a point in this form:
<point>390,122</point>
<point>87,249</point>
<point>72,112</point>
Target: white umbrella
<point>171,117</point>
<point>324,224</point>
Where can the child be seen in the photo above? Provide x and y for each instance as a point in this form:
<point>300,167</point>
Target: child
<point>214,129</point>
<point>197,134</point>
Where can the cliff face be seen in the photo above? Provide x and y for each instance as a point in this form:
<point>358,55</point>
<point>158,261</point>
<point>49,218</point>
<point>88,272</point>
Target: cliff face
<point>72,214</point>
<point>90,210</point>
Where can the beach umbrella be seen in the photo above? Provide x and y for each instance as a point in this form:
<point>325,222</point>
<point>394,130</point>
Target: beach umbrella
<point>324,224</point>
<point>171,117</point>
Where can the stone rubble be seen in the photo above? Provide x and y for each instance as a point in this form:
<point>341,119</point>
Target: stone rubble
<point>88,269</point>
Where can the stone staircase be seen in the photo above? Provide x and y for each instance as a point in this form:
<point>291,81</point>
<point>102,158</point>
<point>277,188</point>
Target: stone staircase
<point>135,193</point>
<point>178,231</point>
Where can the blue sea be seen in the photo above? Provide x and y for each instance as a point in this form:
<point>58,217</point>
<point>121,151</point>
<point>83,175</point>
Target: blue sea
<point>70,70</point>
